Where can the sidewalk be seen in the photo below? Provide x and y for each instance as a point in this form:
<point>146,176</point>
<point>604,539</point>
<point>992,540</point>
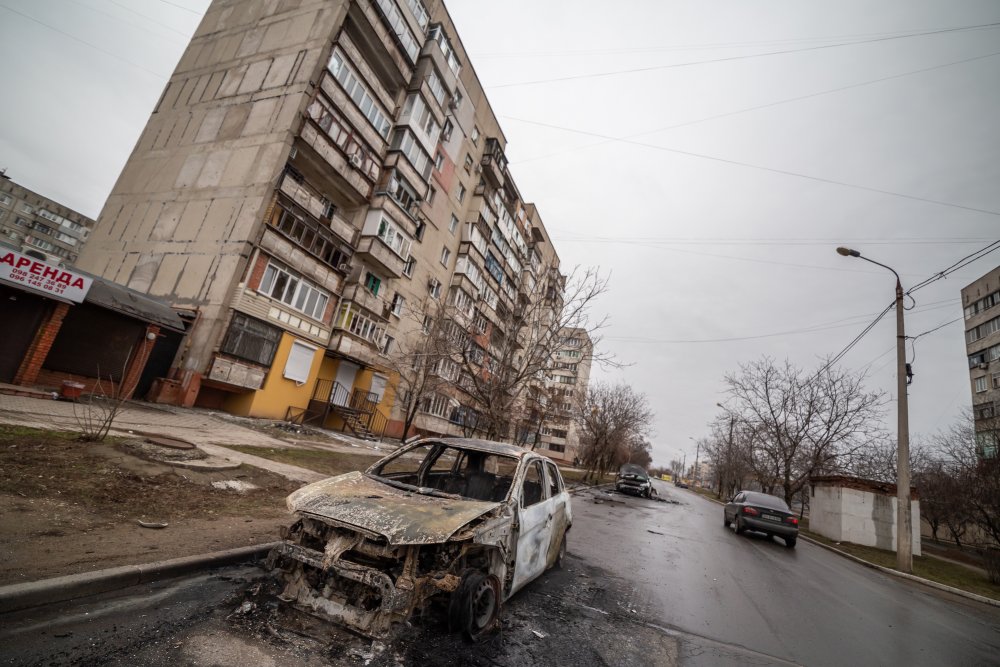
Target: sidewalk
<point>210,431</point>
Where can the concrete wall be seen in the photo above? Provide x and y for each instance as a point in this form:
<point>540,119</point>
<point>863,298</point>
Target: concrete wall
<point>190,200</point>
<point>860,517</point>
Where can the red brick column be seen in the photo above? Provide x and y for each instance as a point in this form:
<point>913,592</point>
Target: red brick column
<point>137,362</point>
<point>27,373</point>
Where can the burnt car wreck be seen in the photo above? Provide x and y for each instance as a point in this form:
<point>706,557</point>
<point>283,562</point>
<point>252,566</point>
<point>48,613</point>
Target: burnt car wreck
<point>466,522</point>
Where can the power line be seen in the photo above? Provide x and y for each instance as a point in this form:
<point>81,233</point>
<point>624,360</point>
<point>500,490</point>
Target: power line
<point>82,41</point>
<point>651,68</point>
<point>187,9</point>
<point>693,47</point>
<point>762,106</point>
<point>968,259</point>
<point>772,170</point>
<point>679,240</point>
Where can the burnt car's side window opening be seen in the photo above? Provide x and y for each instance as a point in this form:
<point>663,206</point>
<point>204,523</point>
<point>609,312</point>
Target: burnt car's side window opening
<point>464,472</point>
<point>531,490</point>
<point>555,482</point>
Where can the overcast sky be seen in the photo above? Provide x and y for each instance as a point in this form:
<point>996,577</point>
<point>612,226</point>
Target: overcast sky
<point>709,156</point>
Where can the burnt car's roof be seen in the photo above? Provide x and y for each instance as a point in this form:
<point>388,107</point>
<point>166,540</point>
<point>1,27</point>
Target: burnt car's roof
<point>489,446</point>
<point>634,469</point>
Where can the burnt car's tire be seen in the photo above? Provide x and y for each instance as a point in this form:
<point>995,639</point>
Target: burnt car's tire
<point>789,542</point>
<point>475,605</point>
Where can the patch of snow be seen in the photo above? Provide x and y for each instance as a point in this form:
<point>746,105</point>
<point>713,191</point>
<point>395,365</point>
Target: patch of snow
<point>234,485</point>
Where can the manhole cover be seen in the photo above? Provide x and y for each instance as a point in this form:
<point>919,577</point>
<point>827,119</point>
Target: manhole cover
<point>173,443</point>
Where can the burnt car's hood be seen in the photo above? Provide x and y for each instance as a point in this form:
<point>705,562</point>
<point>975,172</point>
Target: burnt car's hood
<point>402,517</point>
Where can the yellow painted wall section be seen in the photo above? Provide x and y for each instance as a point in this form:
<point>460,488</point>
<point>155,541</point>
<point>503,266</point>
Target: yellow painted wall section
<point>278,393</point>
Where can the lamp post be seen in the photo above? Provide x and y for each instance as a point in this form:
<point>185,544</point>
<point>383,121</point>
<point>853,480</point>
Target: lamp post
<point>904,534</point>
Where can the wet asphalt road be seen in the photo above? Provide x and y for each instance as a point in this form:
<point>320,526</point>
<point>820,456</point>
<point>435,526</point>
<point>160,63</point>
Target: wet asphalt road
<point>805,605</point>
<point>646,583</point>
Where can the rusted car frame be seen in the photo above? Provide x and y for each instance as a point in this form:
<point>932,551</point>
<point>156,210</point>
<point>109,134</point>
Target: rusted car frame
<point>369,549</point>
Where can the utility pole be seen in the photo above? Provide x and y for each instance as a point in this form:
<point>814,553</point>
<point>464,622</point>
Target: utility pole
<point>697,451</point>
<point>904,524</point>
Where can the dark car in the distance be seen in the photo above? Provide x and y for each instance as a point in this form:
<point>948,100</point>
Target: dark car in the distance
<point>762,513</point>
<point>635,480</point>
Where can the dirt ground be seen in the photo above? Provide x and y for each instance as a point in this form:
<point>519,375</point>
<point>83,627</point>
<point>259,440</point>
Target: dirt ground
<point>68,507</point>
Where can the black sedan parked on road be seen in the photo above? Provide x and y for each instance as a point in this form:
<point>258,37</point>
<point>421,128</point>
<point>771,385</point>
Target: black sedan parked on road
<point>764,514</point>
<point>634,479</point>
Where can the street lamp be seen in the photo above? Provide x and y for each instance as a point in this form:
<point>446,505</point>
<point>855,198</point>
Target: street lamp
<point>904,534</point>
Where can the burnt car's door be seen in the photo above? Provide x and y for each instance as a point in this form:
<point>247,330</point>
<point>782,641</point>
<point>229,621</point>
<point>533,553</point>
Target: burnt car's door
<point>561,517</point>
<point>535,513</point>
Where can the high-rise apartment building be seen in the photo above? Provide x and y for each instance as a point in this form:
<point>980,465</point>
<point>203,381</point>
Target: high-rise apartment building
<point>981,301</point>
<point>317,180</point>
<point>40,227</point>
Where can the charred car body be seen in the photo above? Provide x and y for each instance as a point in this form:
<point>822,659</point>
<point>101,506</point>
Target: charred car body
<point>472,520</point>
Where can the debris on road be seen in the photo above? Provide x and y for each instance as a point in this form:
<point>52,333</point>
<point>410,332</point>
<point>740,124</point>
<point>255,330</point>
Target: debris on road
<point>540,634</point>
<point>654,532</point>
<point>234,485</point>
<point>148,524</point>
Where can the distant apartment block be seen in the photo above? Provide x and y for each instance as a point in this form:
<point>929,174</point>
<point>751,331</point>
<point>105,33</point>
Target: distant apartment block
<point>40,227</point>
<point>566,386</point>
<point>981,301</point>
<point>317,178</point>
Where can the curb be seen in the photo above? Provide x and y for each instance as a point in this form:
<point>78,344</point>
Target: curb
<point>16,597</point>
<point>896,573</point>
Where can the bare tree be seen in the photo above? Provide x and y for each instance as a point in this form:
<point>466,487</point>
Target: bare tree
<point>728,452</point>
<point>97,411</point>
<point>612,416</point>
<point>798,424</point>
<point>498,364</point>
<point>419,358</point>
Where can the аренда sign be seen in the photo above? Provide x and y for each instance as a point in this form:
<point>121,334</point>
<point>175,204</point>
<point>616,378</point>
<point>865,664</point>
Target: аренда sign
<point>38,276</point>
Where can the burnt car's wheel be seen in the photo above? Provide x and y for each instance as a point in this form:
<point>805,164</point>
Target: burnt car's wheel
<point>475,605</point>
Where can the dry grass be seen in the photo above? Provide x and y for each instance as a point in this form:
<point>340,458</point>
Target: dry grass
<point>943,572</point>
<point>318,460</point>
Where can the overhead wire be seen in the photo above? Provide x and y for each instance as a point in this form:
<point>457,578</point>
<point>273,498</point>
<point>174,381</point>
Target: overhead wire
<point>774,170</point>
<point>757,107</point>
<point>634,70</point>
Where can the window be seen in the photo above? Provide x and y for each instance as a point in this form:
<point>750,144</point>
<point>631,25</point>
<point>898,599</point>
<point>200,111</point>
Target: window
<point>355,88</point>
<point>387,344</point>
<point>983,330</point>
<point>398,26</point>
<point>419,231</point>
<point>431,193</point>
<point>393,237</point>
<point>419,13</point>
<point>292,290</point>
<point>427,324</point>
<point>251,339</point>
<point>397,304</point>
<point>475,134</point>
<point>403,193</point>
<point>438,35</point>
<point>435,288</point>
<point>996,380</point>
<point>453,224</point>
<point>360,325</point>
<point>468,163</point>
<point>980,383</point>
<point>437,88</point>
<point>435,404</point>
<point>461,192</point>
<point>406,142</point>
<point>372,282</point>
<point>316,239</point>
<point>5,200</point>
<point>300,359</point>
<point>445,256</point>
<point>408,267</point>
<point>26,208</point>
<point>447,130</point>
<point>438,160</point>
<point>532,489</point>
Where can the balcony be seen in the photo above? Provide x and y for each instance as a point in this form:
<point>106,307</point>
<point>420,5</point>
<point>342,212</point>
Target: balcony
<point>383,50</point>
<point>374,250</point>
<point>494,163</point>
<point>236,373</point>
<point>362,297</point>
<point>359,350</point>
<point>317,206</point>
<point>433,51</point>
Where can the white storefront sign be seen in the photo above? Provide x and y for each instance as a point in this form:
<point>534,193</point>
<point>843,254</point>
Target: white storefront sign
<point>38,276</point>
